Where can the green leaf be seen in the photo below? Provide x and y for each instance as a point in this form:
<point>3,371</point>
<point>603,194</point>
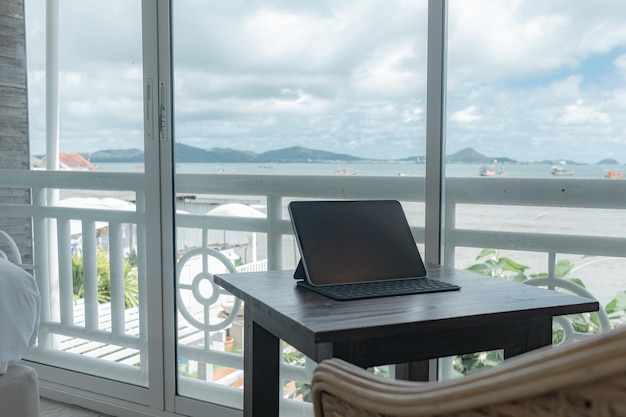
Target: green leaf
<point>520,278</point>
<point>513,265</point>
<point>479,269</point>
<point>563,267</point>
<point>487,252</point>
<point>618,304</point>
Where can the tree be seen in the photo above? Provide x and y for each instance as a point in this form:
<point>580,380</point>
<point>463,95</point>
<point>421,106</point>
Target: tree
<point>103,270</point>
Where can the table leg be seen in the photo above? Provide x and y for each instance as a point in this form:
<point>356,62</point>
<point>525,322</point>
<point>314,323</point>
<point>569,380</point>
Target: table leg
<point>262,388</point>
<point>538,334</point>
<point>414,371</point>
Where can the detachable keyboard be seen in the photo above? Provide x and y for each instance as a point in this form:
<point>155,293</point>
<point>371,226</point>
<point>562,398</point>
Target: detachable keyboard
<point>381,288</point>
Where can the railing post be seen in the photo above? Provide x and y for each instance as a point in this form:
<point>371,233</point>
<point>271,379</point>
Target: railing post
<point>42,273</point>
<point>117,278</point>
<point>66,282</point>
<point>274,238</point>
<point>90,275</point>
<point>551,267</point>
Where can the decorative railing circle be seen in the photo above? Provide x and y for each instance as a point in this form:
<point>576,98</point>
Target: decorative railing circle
<point>198,296</point>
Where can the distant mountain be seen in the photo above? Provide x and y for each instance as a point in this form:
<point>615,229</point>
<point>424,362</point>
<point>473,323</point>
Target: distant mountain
<point>186,153</point>
<point>231,155</point>
<point>608,162</point>
<point>300,154</point>
<point>470,156</point>
<point>115,155</point>
<point>559,162</point>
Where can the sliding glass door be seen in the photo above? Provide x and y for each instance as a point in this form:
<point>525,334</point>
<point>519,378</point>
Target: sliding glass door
<point>94,147</point>
<point>168,163</point>
<point>534,122</point>
<point>275,101</point>
<point>535,138</point>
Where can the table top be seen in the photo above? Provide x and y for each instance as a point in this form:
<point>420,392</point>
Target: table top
<point>287,307</point>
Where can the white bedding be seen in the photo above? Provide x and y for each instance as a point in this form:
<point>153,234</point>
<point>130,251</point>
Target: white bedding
<point>20,306</point>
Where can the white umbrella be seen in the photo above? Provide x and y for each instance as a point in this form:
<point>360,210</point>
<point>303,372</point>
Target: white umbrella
<point>240,210</point>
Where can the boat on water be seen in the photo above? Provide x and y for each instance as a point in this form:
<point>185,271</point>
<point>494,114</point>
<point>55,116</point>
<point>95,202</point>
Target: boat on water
<point>342,171</point>
<point>492,171</point>
<point>613,173</point>
<point>562,170</point>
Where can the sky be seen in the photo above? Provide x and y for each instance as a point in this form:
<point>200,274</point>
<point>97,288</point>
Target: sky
<point>527,80</point>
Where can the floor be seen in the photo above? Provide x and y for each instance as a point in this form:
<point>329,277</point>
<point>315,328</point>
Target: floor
<point>50,408</point>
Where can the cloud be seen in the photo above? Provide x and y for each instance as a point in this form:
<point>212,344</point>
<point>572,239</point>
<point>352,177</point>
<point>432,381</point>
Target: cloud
<point>526,79</point>
<point>413,114</point>
<point>620,64</point>
<point>541,75</point>
<point>579,113</point>
<point>566,88</point>
<point>515,38</point>
<point>619,100</point>
<point>350,81</point>
<point>467,115</point>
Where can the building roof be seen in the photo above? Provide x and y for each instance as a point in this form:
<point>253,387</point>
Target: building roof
<point>74,161</point>
<point>67,161</point>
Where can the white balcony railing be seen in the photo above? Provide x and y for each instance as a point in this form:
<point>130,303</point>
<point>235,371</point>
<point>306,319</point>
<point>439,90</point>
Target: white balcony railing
<point>64,320</point>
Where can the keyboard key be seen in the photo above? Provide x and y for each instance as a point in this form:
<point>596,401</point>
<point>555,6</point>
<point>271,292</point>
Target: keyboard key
<point>382,288</point>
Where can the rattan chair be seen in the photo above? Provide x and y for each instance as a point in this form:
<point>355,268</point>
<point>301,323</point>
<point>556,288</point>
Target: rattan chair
<point>584,378</point>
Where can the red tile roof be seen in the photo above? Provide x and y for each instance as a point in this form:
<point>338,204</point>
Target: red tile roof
<point>74,161</point>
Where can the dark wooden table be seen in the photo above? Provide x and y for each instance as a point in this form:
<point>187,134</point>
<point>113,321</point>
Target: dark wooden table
<point>486,314</point>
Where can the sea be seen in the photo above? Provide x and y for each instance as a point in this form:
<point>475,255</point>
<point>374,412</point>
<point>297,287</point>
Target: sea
<point>604,277</point>
<point>390,168</point>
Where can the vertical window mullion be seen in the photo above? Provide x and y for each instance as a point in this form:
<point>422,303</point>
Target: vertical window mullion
<point>435,129</point>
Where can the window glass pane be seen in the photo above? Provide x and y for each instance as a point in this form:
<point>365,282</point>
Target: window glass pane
<point>276,101</point>
<point>534,128</point>
<point>88,239</point>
